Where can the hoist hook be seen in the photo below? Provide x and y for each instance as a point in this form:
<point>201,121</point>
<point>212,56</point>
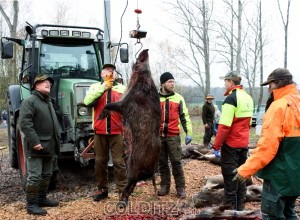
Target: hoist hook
<point>138,42</point>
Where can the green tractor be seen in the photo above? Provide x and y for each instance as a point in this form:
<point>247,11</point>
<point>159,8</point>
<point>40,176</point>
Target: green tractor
<point>73,57</point>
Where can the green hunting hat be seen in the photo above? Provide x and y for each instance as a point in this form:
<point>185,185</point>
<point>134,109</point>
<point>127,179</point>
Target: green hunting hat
<point>41,78</point>
<point>232,75</point>
<point>278,74</point>
<point>108,65</point>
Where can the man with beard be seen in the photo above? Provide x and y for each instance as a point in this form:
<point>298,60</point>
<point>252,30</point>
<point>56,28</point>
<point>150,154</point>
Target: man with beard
<point>173,112</point>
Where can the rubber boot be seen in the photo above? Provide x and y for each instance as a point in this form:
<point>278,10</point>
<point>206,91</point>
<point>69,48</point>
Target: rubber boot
<point>32,207</point>
<point>43,201</point>
<point>164,190</point>
<point>240,205</point>
<point>181,192</point>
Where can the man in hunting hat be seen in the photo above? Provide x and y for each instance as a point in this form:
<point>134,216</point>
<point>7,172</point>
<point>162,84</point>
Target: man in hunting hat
<point>233,137</point>
<point>276,156</point>
<point>208,115</point>
<point>41,140</point>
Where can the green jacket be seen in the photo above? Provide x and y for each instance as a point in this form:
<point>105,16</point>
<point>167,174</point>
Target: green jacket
<point>39,125</point>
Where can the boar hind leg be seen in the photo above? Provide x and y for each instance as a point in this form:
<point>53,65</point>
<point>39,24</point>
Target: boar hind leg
<point>154,185</point>
<point>127,192</point>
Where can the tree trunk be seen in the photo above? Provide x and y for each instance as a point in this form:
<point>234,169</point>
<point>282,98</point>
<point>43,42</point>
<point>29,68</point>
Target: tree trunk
<point>261,89</point>
<point>239,39</point>
<point>12,70</point>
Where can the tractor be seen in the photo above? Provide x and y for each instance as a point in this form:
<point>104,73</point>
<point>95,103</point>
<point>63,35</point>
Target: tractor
<point>73,57</point>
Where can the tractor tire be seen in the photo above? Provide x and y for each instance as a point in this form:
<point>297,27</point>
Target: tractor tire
<point>11,132</point>
<point>13,103</point>
<point>21,157</point>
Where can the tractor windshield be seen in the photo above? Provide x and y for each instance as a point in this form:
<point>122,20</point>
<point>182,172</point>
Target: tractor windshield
<point>69,60</point>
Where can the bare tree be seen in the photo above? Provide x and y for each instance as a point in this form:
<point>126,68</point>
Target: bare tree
<point>1,34</point>
<point>194,16</point>
<point>252,51</point>
<point>261,44</point>
<point>12,25</point>
<point>239,38</point>
<point>285,23</point>
<point>230,45</point>
<point>61,16</point>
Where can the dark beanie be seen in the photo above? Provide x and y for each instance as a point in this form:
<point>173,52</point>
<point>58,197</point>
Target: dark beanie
<point>165,77</point>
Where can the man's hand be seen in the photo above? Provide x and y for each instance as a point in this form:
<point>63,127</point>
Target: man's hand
<point>238,177</point>
<point>188,139</point>
<point>108,80</point>
<point>107,84</point>
<point>217,153</point>
<point>38,147</point>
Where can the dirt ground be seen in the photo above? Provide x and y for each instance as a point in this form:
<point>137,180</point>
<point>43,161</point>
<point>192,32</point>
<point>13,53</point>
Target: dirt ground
<point>77,185</point>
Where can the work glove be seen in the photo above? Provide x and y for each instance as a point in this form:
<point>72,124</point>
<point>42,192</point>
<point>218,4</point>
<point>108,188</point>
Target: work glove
<point>238,177</point>
<point>188,139</point>
<point>108,81</point>
<point>217,153</point>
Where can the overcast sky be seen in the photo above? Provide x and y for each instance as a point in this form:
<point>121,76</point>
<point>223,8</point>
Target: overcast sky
<point>154,19</point>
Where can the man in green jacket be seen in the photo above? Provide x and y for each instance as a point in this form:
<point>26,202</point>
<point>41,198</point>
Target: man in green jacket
<point>41,138</point>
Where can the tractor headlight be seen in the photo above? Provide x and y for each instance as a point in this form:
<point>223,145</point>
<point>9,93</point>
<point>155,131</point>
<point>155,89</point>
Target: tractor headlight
<point>82,111</point>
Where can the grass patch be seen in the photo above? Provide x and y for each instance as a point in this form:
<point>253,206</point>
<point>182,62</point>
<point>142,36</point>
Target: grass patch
<point>198,132</point>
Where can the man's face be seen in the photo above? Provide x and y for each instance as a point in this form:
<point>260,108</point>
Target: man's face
<point>228,84</point>
<point>43,86</point>
<point>209,100</point>
<point>107,71</point>
<point>272,86</point>
<point>169,86</point>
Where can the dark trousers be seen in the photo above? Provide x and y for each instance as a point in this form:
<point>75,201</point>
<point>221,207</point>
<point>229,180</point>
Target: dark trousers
<point>39,170</point>
<point>102,145</point>
<point>235,191</point>
<point>209,132</point>
<point>275,205</point>
<point>171,149</point>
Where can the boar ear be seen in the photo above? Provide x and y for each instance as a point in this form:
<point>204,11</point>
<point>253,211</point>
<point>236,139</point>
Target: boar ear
<point>200,203</point>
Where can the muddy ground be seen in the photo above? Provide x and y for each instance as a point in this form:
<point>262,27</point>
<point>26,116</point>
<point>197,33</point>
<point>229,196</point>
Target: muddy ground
<point>77,184</point>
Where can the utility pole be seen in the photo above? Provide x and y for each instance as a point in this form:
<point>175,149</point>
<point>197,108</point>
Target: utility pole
<point>107,32</point>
